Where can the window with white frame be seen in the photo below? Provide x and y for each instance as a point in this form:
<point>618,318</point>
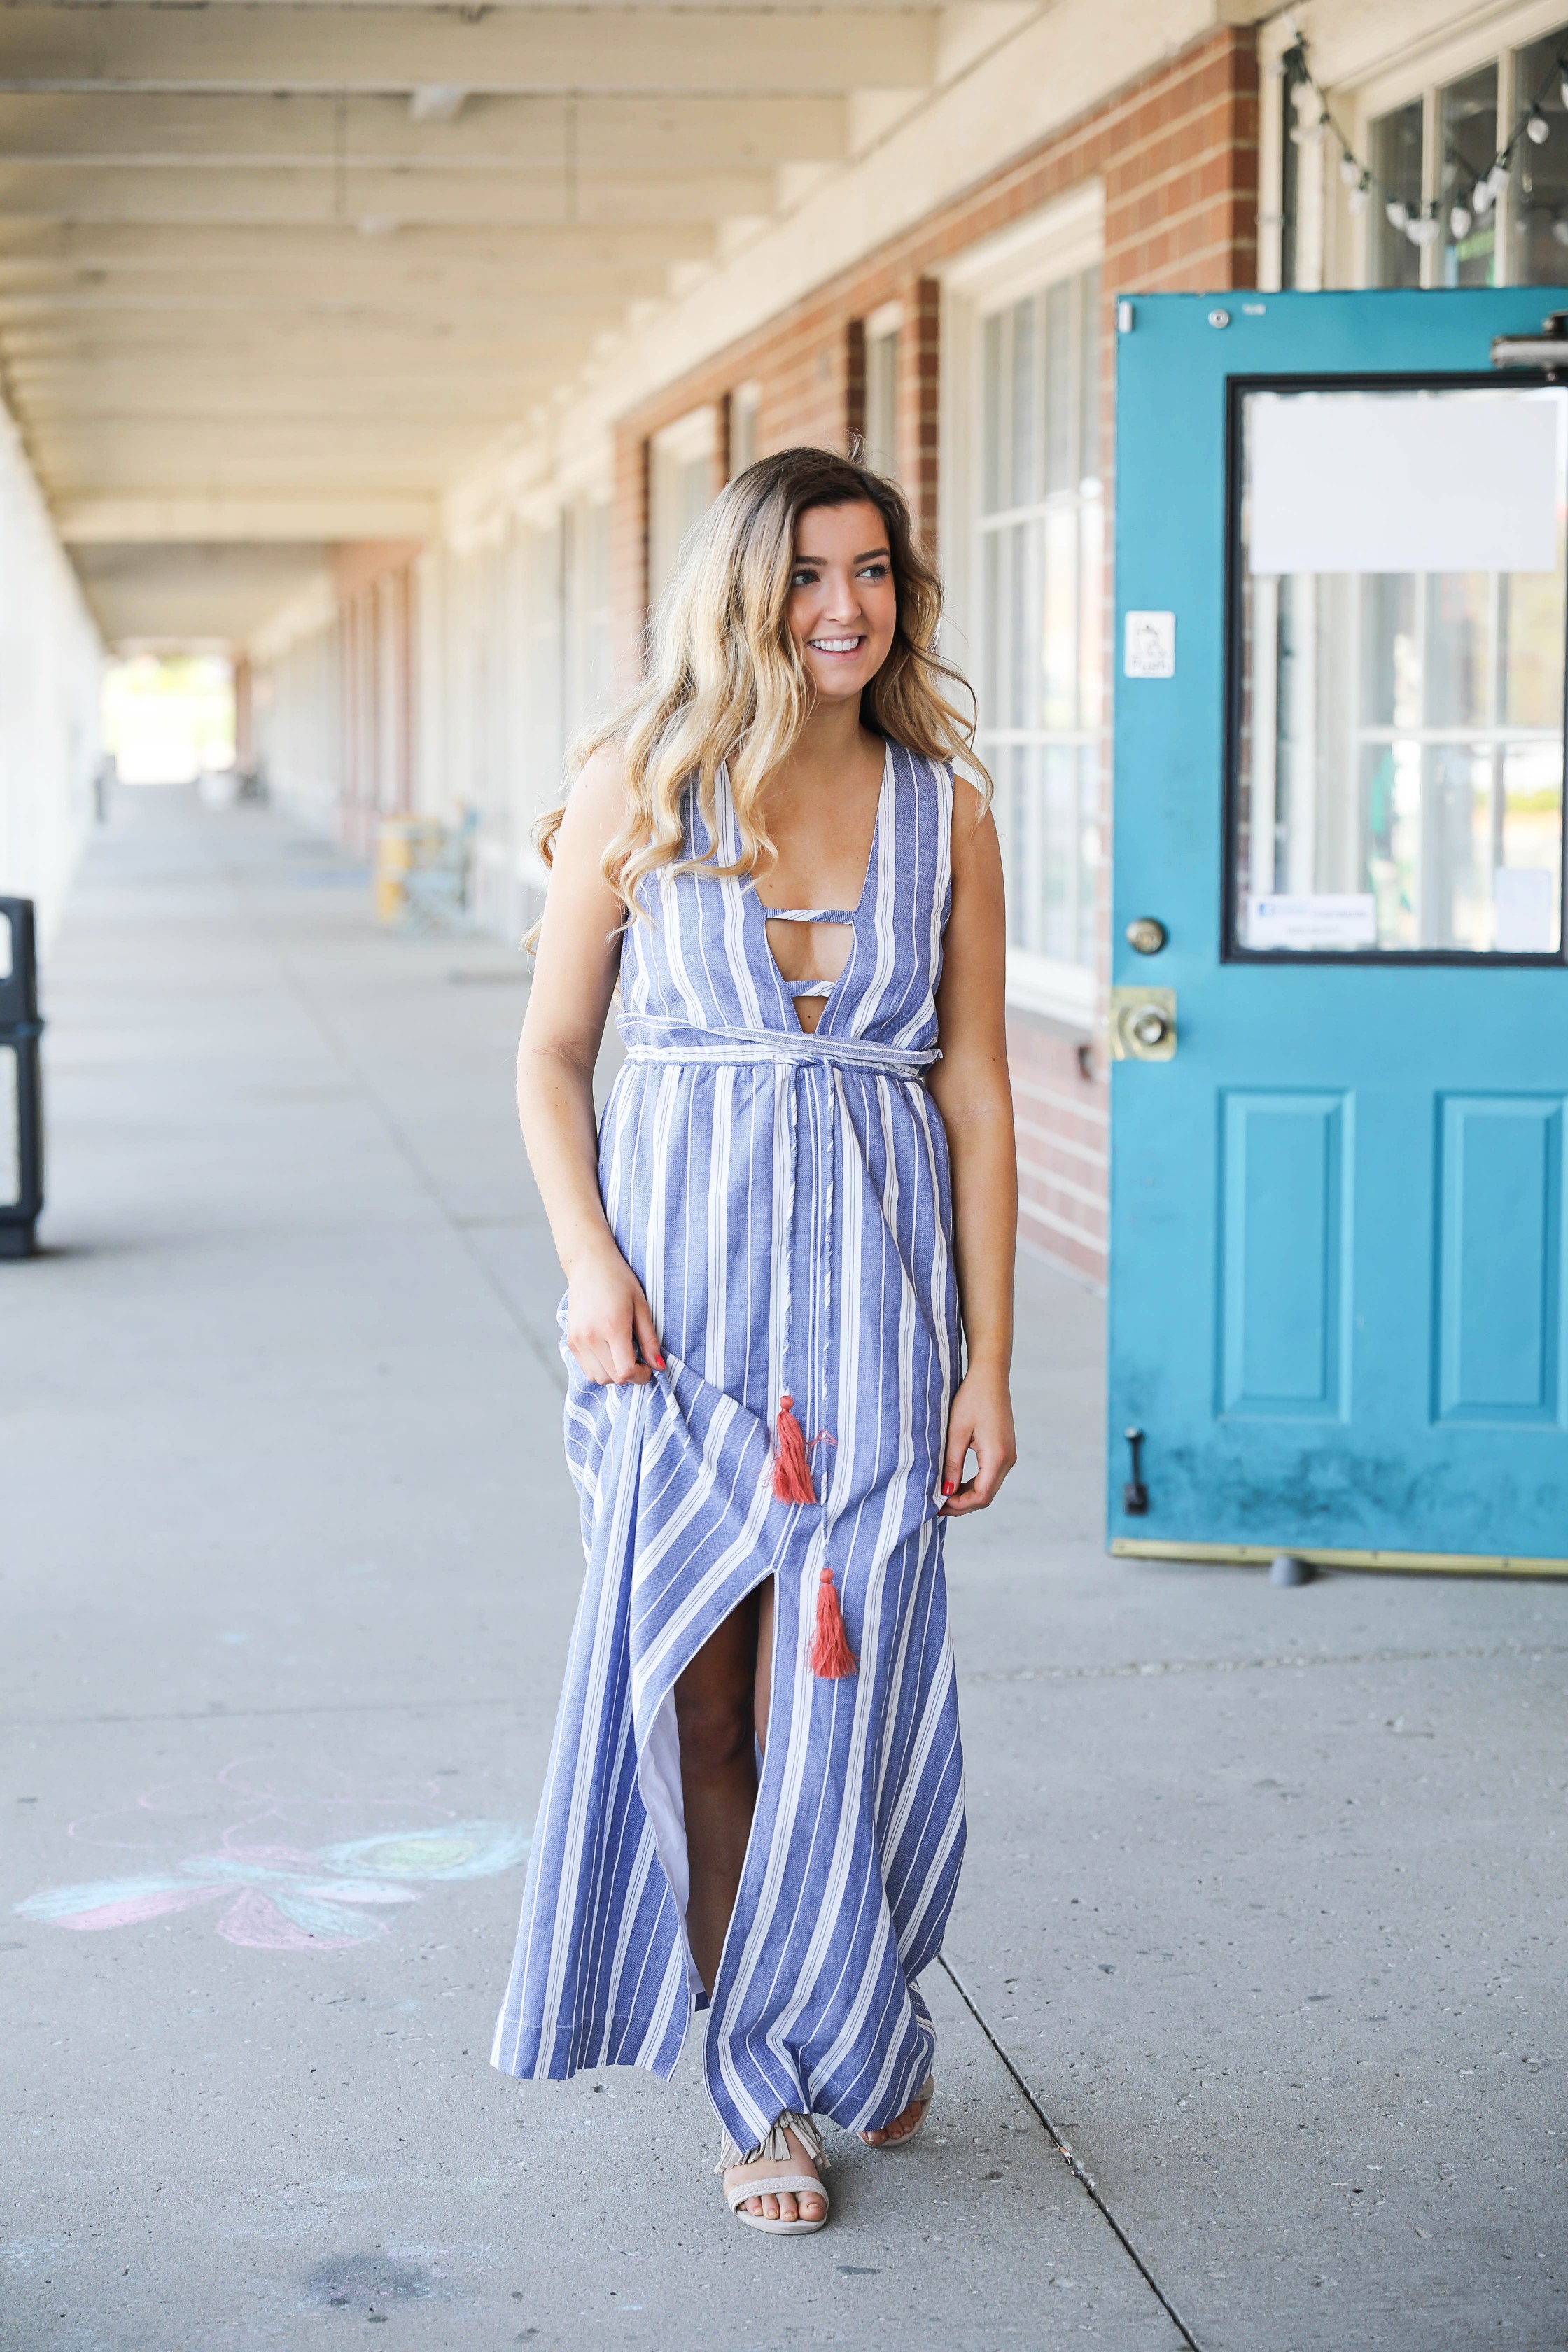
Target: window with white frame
<point>682,479</point>
<point>1024,537</point>
<point>585,597</point>
<point>1436,213</point>
<point>881,440</point>
<point>745,420</point>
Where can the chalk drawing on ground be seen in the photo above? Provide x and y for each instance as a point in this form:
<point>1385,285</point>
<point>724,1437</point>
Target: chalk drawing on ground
<point>274,1890</point>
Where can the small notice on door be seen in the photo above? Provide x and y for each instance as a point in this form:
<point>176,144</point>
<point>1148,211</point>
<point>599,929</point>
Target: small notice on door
<point>1320,923</point>
<point>1149,649</point>
<point>1524,897</point>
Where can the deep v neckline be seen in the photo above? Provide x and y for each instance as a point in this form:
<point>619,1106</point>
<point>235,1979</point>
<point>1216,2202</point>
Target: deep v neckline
<point>764,913</point>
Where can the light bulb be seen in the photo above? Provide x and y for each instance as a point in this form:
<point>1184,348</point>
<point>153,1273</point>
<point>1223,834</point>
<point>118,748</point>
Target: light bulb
<point>1350,170</point>
<point>1359,198</point>
<point>1482,199</point>
<point>1461,221</point>
<point>1398,214</point>
<point>1496,178</point>
<point>1563,87</point>
<point>1559,229</point>
<point>1538,129</point>
<point>1425,231</point>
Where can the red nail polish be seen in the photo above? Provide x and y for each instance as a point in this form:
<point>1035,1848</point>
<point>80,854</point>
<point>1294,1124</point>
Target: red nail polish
<point>658,1363</point>
<point>947,1486</point>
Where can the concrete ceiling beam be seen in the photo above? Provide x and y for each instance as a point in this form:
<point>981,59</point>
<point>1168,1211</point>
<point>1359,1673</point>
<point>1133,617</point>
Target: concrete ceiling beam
<point>145,451</point>
<point>539,134</point>
<point>278,302</point>
<point>135,397</point>
<point>496,342</point>
<point>208,244</point>
<point>184,594</point>
<point>498,50</point>
<point>460,292</point>
<point>377,201</point>
<point>219,517</point>
<point>154,471</point>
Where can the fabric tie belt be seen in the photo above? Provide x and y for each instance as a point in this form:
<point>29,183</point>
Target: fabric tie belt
<point>650,1040</point>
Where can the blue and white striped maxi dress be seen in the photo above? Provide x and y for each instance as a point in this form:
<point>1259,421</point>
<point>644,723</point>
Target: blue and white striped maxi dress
<point>785,1201</point>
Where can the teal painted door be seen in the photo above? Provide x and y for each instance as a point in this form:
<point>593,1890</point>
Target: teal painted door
<point>1338,1167</point>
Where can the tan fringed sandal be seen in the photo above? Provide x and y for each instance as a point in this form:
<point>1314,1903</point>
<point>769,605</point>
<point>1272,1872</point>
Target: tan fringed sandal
<point>775,2169</point>
<point>921,2099</point>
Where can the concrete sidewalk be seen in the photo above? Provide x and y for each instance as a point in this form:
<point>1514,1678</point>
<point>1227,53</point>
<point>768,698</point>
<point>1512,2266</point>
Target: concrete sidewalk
<point>1263,1906</point>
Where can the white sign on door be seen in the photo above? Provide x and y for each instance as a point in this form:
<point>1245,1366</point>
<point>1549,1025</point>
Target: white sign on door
<point>1421,481</point>
<point>1320,923</point>
<point>1149,649</point>
<point>1524,901</point>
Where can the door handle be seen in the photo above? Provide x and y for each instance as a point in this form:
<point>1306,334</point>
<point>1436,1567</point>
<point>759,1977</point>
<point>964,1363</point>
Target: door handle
<point>1134,1494</point>
<point>1142,1024</point>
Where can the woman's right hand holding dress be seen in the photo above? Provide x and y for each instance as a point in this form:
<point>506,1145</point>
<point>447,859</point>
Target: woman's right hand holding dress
<point>609,1323</point>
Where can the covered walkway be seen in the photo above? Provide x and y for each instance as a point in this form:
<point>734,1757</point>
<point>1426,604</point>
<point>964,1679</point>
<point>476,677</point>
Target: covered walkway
<point>290,1560</point>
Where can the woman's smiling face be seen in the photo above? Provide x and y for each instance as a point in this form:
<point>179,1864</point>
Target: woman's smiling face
<point>843,603</point>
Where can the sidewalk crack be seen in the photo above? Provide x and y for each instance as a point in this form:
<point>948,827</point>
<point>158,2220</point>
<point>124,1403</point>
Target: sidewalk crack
<point>1084,2179</point>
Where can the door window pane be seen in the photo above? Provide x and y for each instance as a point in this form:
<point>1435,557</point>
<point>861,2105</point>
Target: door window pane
<point>1467,112</point>
<point>1540,256</point>
<point>1396,165</point>
<point>1039,559</point>
<point>1399,766</point>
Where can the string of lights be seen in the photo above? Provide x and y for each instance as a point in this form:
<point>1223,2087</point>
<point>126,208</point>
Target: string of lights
<point>1468,197</point>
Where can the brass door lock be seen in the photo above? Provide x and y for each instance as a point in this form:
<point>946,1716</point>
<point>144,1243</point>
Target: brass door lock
<point>1147,933</point>
<point>1142,1024</point>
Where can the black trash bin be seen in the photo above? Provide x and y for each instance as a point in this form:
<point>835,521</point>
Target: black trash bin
<point>21,1084</point>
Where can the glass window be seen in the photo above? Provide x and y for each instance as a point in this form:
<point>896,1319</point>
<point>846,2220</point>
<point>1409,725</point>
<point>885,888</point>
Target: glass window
<point>1399,761</point>
<point>585,577</point>
<point>1039,558</point>
<point>1468,126</point>
<point>882,402</point>
<point>1539,242</point>
<point>1397,167</point>
<point>745,420</point>
<point>681,487</point>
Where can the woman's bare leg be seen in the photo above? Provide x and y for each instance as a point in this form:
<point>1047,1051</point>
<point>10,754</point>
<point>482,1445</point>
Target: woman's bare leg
<point>721,1710</point>
<point>713,1712</point>
<point>764,1690</point>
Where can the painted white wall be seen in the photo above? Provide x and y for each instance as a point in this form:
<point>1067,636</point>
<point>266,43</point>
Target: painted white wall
<point>298,707</point>
<point>51,671</point>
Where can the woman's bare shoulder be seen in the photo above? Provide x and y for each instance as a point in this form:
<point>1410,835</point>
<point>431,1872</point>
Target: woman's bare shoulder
<point>596,804</point>
<point>970,815</point>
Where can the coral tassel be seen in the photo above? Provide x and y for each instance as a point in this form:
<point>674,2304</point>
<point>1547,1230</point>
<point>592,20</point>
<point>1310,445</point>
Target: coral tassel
<point>792,1472</point>
<point>831,1655</point>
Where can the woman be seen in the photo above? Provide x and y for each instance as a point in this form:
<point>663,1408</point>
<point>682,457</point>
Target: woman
<point>755,1800</point>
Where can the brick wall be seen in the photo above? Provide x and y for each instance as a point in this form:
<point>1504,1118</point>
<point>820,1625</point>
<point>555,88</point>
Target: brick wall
<point>1177,153</point>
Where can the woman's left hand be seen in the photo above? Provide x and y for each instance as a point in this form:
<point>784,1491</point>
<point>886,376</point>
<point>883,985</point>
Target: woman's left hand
<point>981,1423</point>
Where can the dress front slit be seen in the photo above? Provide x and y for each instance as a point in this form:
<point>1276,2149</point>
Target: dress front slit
<point>783,1195</point>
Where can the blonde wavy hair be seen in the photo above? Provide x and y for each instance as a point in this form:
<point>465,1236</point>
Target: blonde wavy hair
<point>726,687</point>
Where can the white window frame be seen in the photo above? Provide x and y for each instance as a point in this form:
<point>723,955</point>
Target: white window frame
<point>1425,67</point>
<point>745,420</point>
<point>1055,243</point>
<point>687,442</point>
<point>882,332</point>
